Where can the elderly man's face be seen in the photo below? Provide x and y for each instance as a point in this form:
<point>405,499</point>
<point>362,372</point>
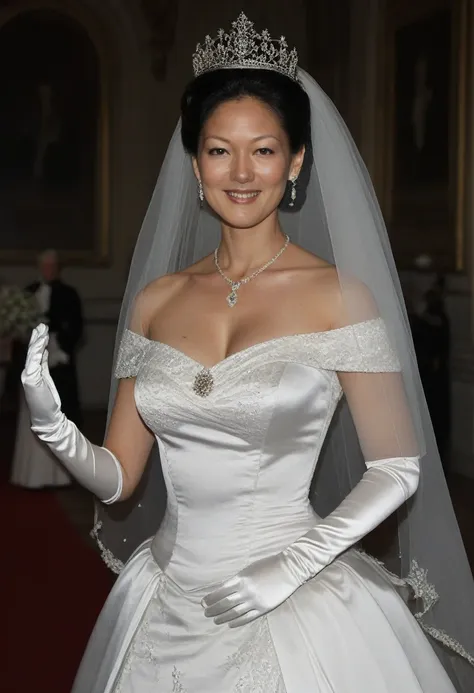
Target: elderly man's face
<point>49,269</point>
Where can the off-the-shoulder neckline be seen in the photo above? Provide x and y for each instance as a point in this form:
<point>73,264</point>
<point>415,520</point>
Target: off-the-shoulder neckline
<point>246,350</point>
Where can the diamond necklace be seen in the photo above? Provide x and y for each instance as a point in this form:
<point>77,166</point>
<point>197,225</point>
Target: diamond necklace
<point>232,298</point>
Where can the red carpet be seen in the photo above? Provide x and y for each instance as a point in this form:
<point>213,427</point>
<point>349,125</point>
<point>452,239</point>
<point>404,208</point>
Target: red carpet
<point>52,587</point>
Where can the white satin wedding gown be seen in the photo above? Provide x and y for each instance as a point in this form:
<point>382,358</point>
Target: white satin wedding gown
<point>238,465</point>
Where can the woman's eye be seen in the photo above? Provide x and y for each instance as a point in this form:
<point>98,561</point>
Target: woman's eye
<point>265,151</point>
<point>217,151</point>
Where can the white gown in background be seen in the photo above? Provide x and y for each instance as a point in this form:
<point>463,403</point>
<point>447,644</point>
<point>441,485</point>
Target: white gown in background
<point>238,466</point>
<point>34,465</point>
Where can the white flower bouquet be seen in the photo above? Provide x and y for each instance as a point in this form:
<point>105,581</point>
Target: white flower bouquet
<point>19,313</point>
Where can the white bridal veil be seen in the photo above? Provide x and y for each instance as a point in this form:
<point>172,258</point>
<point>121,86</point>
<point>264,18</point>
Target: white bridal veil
<point>340,221</point>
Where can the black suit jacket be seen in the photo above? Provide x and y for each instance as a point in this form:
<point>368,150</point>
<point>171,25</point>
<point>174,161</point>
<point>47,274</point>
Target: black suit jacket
<point>64,315</point>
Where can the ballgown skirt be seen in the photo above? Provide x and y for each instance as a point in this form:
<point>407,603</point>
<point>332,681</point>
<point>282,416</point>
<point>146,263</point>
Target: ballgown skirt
<point>348,630</point>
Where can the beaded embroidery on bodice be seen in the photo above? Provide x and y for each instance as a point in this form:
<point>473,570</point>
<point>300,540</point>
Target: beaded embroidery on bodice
<point>361,347</point>
<point>242,383</point>
<point>246,452</point>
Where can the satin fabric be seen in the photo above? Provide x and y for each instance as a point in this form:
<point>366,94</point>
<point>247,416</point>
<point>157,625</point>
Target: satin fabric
<point>238,465</point>
<point>96,468</point>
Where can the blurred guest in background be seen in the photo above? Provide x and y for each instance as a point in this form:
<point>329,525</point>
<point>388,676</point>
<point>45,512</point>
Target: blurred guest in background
<point>60,306</point>
<point>430,327</point>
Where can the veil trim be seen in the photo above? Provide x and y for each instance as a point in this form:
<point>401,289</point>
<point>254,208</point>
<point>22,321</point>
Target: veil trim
<point>420,589</point>
<point>111,561</point>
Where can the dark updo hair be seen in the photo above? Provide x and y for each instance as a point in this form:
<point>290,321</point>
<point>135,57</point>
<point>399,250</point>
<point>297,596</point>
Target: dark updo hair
<point>280,93</point>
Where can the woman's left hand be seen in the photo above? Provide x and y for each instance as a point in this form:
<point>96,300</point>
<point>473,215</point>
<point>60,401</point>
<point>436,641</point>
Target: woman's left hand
<point>256,590</point>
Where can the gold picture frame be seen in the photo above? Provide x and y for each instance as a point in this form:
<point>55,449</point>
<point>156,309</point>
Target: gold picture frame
<point>54,135</point>
<point>423,170</point>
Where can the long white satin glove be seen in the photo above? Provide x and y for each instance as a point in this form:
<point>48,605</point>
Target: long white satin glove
<point>96,468</point>
<point>268,582</point>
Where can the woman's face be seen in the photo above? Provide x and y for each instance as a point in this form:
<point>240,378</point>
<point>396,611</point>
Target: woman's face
<point>244,162</point>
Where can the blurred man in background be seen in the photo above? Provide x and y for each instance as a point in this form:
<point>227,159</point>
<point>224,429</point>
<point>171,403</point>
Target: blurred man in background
<point>61,309</point>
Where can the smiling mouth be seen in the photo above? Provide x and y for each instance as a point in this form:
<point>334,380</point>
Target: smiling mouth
<point>242,197</point>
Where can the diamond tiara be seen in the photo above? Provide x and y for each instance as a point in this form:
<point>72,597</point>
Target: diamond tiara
<point>244,48</point>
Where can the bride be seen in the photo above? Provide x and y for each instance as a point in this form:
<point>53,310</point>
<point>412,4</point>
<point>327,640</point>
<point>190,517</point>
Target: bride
<point>284,351</point>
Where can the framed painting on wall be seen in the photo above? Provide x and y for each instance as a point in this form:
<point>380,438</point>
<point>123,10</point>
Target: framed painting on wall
<point>54,175</point>
<point>424,153</point>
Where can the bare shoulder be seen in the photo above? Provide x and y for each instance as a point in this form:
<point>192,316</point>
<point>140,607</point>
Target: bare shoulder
<point>348,300</point>
<point>341,299</point>
<point>314,270</point>
<point>155,295</point>
<point>160,290</point>
<point>152,298</point>
<point>305,259</point>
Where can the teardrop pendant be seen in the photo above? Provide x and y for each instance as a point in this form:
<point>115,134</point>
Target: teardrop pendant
<point>232,298</point>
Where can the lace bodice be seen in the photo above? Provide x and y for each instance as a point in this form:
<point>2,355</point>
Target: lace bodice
<point>361,347</point>
<point>238,458</point>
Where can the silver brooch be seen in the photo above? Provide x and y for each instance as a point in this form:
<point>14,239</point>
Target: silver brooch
<point>203,383</point>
